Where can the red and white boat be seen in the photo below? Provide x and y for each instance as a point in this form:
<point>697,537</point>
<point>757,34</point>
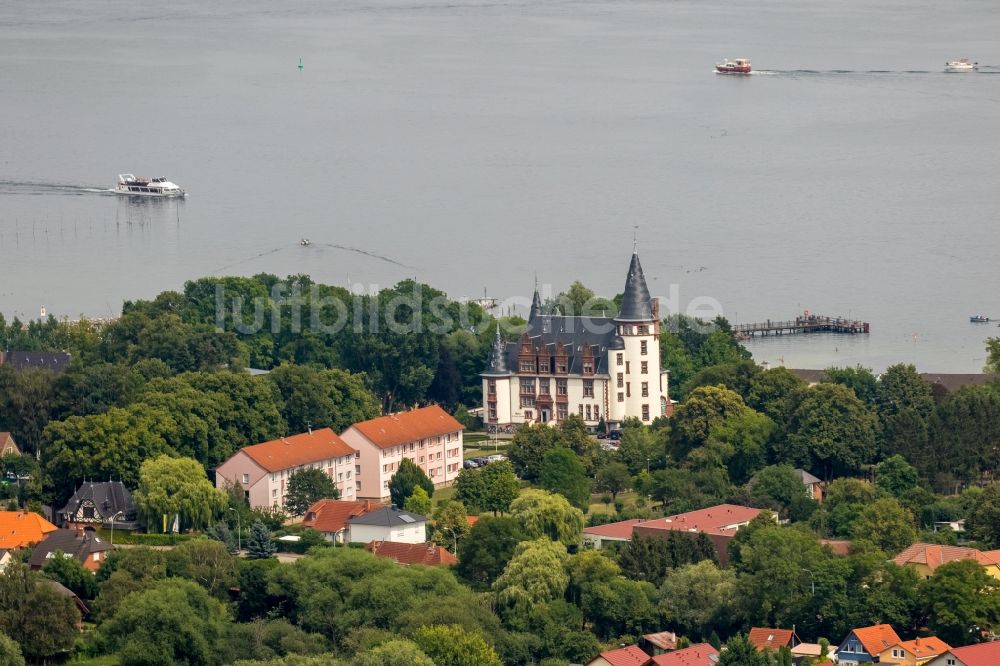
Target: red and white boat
<point>738,66</point>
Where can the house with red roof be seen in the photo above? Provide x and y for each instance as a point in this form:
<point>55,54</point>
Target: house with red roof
<point>20,529</point>
<point>624,656</point>
<point>773,639</point>
<point>914,653</point>
<point>429,436</point>
<point>329,517</point>
<point>865,644</point>
<point>660,642</point>
<point>700,654</point>
<point>981,654</point>
<point>925,558</point>
<point>427,554</point>
<point>263,470</point>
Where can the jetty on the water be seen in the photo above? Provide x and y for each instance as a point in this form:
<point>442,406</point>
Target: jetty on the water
<point>807,323</point>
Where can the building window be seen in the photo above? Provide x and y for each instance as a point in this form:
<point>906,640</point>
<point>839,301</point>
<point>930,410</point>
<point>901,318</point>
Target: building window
<point>385,468</point>
<point>246,478</point>
<point>528,414</point>
<point>581,411</point>
<point>493,410</point>
<point>645,389</point>
<point>643,347</point>
<point>588,368</point>
<point>645,412</point>
<point>357,469</point>
<point>274,493</point>
<point>621,380</point>
<point>543,365</point>
<point>628,389</point>
<point>88,511</point>
<point>645,367</point>
<point>561,387</point>
<point>621,397</point>
<point>628,367</point>
<point>491,385</point>
<point>597,413</point>
<point>620,359</point>
<point>560,366</point>
<point>543,386</point>
<point>528,386</point>
<point>588,388</point>
<point>527,366</point>
<point>527,401</point>
<point>643,330</point>
<point>561,411</point>
<point>588,412</point>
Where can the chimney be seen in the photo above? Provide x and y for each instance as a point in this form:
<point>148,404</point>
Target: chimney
<point>79,530</point>
<point>309,428</point>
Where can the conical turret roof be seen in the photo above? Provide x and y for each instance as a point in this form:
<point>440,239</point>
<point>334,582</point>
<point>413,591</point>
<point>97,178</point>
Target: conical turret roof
<point>498,356</point>
<point>536,306</point>
<point>636,302</point>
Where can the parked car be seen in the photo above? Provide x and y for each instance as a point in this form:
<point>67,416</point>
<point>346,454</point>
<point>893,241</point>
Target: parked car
<point>616,434</point>
<point>470,464</point>
<point>602,435</point>
<point>482,461</point>
<point>497,457</point>
<point>609,446</point>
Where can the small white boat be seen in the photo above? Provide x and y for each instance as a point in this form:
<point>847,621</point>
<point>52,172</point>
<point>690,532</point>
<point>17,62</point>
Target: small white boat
<point>305,241</point>
<point>963,65</point>
<point>146,187</point>
<point>738,66</point>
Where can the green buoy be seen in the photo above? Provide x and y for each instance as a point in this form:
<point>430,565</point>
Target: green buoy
<point>301,66</point>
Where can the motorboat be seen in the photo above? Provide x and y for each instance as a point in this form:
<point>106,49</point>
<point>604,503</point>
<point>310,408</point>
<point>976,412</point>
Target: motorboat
<point>146,187</point>
<point>962,65</point>
<point>979,319</point>
<point>738,66</point>
<point>305,241</point>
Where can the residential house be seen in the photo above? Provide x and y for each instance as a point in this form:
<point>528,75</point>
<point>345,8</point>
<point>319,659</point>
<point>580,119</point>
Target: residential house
<point>700,654</point>
<point>814,487</point>
<point>808,651</point>
<point>658,643</point>
<point>7,445</point>
<point>263,470</point>
<point>387,524</point>
<point>427,554</point>
<point>719,523</point>
<point>914,653</point>
<point>20,529</point>
<point>57,362</point>
<point>429,436</point>
<point>981,654</point>
<point>64,591</point>
<point>83,545</point>
<point>866,644</point>
<point>330,517</point>
<point>773,639</point>
<point>925,558</point>
<point>99,503</point>
<point>624,656</point>
<point>6,557</point>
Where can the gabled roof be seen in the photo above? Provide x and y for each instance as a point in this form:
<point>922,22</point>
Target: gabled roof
<point>22,528</point>
<point>38,360</point>
<point>807,478</point>
<point>925,648</point>
<point>7,439</point>
<point>982,654</point>
<point>933,555</point>
<point>626,656</point>
<point>410,426</point>
<point>620,530</point>
<point>108,497</point>
<point>772,639</point>
<point>298,450</point>
<point>79,544</point>
<point>387,516</point>
<point>713,520</point>
<point>330,516</point>
<point>665,640</point>
<point>636,302</point>
<point>428,554</point>
<point>877,638</point>
<point>701,654</point>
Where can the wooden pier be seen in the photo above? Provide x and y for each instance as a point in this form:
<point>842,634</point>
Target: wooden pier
<point>807,323</point>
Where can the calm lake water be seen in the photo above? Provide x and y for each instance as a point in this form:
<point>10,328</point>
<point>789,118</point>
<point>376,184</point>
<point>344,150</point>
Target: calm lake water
<point>471,144</point>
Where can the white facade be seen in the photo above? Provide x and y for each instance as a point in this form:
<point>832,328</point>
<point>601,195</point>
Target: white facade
<point>412,533</point>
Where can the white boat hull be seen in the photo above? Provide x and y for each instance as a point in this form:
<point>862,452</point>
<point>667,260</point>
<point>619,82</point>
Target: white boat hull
<point>171,194</point>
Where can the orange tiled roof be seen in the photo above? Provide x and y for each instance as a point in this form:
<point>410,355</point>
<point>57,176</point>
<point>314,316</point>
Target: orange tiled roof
<point>19,529</point>
<point>770,639</point>
<point>626,656</point>
<point>410,426</point>
<point>665,640</point>
<point>713,520</point>
<point>981,654</point>
<point>309,447</point>
<point>620,530</point>
<point>428,554</point>
<point>933,555</point>
<point>877,638</point>
<point>696,655</point>
<point>472,520</point>
<point>925,648</point>
<point>331,516</point>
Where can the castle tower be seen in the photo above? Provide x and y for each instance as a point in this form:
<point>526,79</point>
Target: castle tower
<point>496,383</point>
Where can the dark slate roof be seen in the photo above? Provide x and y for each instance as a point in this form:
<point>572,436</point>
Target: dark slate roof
<point>22,360</point>
<point>953,382</point>
<point>572,334</point>
<point>536,306</point>
<point>637,305</point>
<point>388,516</point>
<point>71,542</point>
<point>109,497</point>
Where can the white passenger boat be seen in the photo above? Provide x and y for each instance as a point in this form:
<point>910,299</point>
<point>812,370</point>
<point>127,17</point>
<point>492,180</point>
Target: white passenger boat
<point>963,65</point>
<point>146,187</point>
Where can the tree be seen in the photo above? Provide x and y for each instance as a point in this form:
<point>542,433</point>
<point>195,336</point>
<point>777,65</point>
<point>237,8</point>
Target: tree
<point>961,602</point>
<point>561,472</point>
<point>220,532</point>
<point>534,575</point>
<point>322,398</point>
<point>490,545</point>
<point>778,487</point>
<point>529,446</point>
<point>26,404</point>
<point>859,379</point>
<point>259,544</point>
<point>307,486</point>
<point>419,502</point>
<point>175,621</point>
<point>896,476</point>
<point>901,387</point>
<point>490,488</point>
<point>845,499</point>
<point>10,652</point>
<point>742,443</point>
<point>698,597</point>
<point>741,652</point>
<point>983,521</point>
<point>451,525</point>
<point>550,515</point>
<point>886,524</point>
<point>613,477</point>
<point>177,487</point>
<point>392,653</point>
<point>37,617</point>
<point>965,432</point>
<point>206,562</point>
<point>453,646</point>
<point>705,408</point>
<point>68,571</point>
<point>829,429</point>
<point>639,449</point>
<point>406,478</point>
<point>769,390</point>
<point>645,558</point>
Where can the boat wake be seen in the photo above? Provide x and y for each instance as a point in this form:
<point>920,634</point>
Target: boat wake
<point>983,69</point>
<point>305,243</point>
<point>37,188</point>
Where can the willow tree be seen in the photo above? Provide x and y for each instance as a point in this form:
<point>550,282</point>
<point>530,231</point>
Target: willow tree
<point>172,488</point>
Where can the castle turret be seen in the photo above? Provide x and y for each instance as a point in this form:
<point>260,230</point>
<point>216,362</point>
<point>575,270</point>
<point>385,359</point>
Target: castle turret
<point>497,382</point>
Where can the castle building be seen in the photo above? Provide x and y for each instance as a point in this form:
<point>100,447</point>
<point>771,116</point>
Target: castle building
<point>597,367</point>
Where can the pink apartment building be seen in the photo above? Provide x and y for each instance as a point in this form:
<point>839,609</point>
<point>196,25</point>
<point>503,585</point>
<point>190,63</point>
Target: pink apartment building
<point>429,436</point>
<point>263,470</point>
